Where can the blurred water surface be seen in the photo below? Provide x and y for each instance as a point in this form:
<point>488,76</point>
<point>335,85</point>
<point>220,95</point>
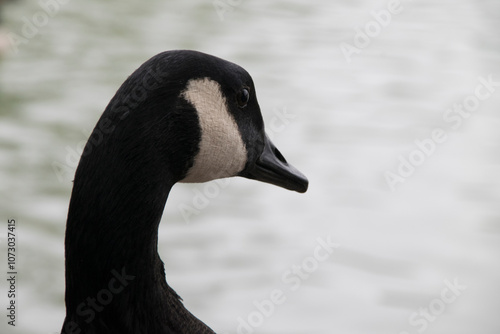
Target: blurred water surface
<point>345,124</point>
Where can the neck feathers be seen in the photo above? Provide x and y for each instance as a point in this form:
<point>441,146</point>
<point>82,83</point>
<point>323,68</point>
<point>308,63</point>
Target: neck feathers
<point>115,279</point>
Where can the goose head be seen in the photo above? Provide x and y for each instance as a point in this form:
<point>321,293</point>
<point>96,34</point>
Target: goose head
<point>232,139</point>
<point>203,111</point>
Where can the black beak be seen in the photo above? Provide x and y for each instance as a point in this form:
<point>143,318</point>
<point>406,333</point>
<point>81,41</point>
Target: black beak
<point>271,167</point>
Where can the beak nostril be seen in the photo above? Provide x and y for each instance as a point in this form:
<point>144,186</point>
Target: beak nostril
<point>280,156</point>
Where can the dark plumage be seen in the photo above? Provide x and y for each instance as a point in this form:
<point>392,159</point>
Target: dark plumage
<point>146,140</point>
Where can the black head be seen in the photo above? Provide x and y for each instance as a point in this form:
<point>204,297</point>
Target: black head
<point>202,118</point>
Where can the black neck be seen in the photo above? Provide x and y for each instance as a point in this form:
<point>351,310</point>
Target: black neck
<point>115,279</point>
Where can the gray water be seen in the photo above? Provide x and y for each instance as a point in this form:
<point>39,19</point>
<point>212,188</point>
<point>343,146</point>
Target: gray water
<point>349,120</point>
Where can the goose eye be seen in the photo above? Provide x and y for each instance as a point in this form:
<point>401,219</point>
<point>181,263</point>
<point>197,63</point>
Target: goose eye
<point>243,97</point>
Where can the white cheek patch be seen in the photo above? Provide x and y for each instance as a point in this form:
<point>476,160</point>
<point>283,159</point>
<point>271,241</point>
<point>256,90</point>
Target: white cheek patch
<point>222,151</point>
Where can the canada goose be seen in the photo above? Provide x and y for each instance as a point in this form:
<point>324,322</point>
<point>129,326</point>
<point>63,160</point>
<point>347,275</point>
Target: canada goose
<point>183,116</point>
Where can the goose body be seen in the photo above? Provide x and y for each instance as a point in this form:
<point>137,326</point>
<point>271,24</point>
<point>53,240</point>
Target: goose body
<point>183,116</point>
